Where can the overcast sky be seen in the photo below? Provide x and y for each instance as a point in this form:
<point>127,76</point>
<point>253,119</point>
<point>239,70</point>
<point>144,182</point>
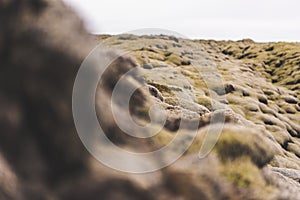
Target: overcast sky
<point>261,20</point>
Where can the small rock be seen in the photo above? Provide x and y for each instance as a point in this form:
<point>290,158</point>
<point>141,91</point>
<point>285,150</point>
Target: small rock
<point>188,87</point>
<point>147,66</point>
<point>219,116</point>
<point>155,92</point>
<point>252,107</point>
<point>246,93</point>
<point>201,110</point>
<point>279,63</point>
<point>290,99</point>
<point>271,48</point>
<point>263,99</point>
<point>173,123</point>
<point>173,38</point>
<point>229,88</point>
<point>290,110</point>
<point>159,47</point>
<point>269,92</point>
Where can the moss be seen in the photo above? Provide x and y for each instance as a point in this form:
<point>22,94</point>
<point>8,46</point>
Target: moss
<point>238,109</point>
<point>172,101</point>
<point>281,136</point>
<point>280,60</point>
<point>204,101</point>
<point>233,99</point>
<point>262,77</point>
<point>265,109</point>
<point>281,161</point>
<point>177,60</point>
<point>163,137</point>
<point>294,148</point>
<point>239,142</point>
<point>156,56</point>
<point>199,83</point>
<point>289,109</point>
<point>243,173</point>
<point>165,90</point>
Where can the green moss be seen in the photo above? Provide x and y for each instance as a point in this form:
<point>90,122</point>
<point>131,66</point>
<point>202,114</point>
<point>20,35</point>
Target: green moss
<point>204,101</point>
<point>238,109</point>
<point>238,142</point>
<point>172,101</point>
<point>243,173</point>
<point>177,60</point>
<point>163,137</point>
<point>161,88</point>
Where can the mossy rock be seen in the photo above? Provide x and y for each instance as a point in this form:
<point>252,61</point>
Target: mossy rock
<point>237,142</point>
<point>266,109</point>
<point>204,101</point>
<point>178,60</point>
<point>263,99</point>
<point>252,107</point>
<point>243,173</point>
<point>165,90</point>
<point>294,148</point>
<point>289,109</point>
<point>283,161</point>
<point>281,136</point>
<point>172,101</point>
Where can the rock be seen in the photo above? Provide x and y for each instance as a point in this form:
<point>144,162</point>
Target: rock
<point>127,37</point>
<point>42,44</point>
<point>173,122</point>
<point>201,110</point>
<point>263,99</point>
<point>252,107</point>
<point>147,66</point>
<point>36,114</point>
<point>246,93</point>
<point>8,181</point>
<point>290,99</point>
<point>279,63</point>
<point>219,116</point>
<point>290,109</point>
<point>155,92</point>
<point>45,43</point>
<point>286,187</point>
<point>229,88</point>
<point>173,38</point>
<point>290,173</point>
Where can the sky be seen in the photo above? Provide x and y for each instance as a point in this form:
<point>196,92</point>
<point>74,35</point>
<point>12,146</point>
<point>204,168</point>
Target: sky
<point>260,20</point>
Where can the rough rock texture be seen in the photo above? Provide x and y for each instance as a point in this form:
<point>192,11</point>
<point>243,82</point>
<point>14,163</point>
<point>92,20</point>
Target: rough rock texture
<point>252,88</point>
<point>248,84</point>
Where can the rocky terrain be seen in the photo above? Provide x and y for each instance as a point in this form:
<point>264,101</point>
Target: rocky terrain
<point>250,91</point>
<point>254,85</point>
